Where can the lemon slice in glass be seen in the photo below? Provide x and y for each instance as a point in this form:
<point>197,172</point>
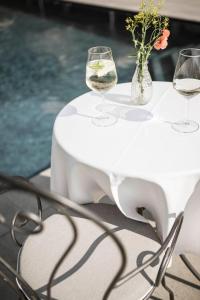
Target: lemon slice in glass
<point>97,65</point>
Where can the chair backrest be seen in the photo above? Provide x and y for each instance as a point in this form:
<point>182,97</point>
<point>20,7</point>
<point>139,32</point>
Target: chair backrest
<point>22,220</point>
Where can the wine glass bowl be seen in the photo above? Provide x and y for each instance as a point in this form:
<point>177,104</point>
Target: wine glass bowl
<point>186,81</point>
<point>101,76</point>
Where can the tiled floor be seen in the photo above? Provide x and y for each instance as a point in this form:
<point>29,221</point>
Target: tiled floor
<point>182,282</point>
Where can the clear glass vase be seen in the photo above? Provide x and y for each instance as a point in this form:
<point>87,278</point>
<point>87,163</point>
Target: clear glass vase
<point>142,88</point>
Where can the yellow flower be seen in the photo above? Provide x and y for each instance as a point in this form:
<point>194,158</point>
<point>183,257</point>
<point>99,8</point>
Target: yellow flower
<point>155,21</point>
<point>155,12</point>
<point>139,17</point>
<point>142,4</point>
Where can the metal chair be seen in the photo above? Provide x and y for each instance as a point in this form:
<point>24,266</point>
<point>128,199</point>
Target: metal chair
<point>84,252</point>
<point>41,6</point>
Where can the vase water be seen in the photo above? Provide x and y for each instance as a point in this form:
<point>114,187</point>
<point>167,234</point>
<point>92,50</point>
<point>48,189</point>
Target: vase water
<point>141,87</point>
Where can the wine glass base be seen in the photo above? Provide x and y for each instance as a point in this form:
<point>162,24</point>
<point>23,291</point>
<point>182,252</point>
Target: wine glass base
<point>104,120</point>
<point>185,126</point>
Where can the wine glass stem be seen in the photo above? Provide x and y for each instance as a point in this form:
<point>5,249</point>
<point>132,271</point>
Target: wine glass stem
<point>187,109</point>
<point>103,101</point>
<point>103,98</point>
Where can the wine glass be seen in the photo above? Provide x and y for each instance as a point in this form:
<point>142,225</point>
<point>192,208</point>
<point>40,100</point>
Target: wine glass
<point>187,82</point>
<point>101,76</point>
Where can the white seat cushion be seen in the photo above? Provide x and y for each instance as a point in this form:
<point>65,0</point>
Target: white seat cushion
<point>90,266</point>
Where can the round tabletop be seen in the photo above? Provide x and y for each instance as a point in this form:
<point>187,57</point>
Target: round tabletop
<point>142,142</point>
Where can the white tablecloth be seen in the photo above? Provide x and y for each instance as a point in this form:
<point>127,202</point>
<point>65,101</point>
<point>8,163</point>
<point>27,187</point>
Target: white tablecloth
<point>138,162</point>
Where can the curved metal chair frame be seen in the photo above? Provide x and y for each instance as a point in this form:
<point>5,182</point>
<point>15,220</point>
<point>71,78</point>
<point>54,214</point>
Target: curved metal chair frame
<point>61,204</point>
<point>190,266</point>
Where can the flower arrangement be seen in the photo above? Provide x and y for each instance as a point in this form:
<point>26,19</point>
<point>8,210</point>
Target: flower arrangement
<point>149,31</point>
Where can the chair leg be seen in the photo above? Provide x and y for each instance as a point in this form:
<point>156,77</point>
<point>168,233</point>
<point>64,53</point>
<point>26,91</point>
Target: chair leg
<point>41,7</point>
<point>171,294</point>
<point>112,20</point>
<point>190,266</point>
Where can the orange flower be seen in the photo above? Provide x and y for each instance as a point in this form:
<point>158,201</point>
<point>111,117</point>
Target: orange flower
<point>166,33</point>
<point>161,43</point>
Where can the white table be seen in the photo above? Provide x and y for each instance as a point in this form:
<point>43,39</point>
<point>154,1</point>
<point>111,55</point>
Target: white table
<point>138,162</point>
